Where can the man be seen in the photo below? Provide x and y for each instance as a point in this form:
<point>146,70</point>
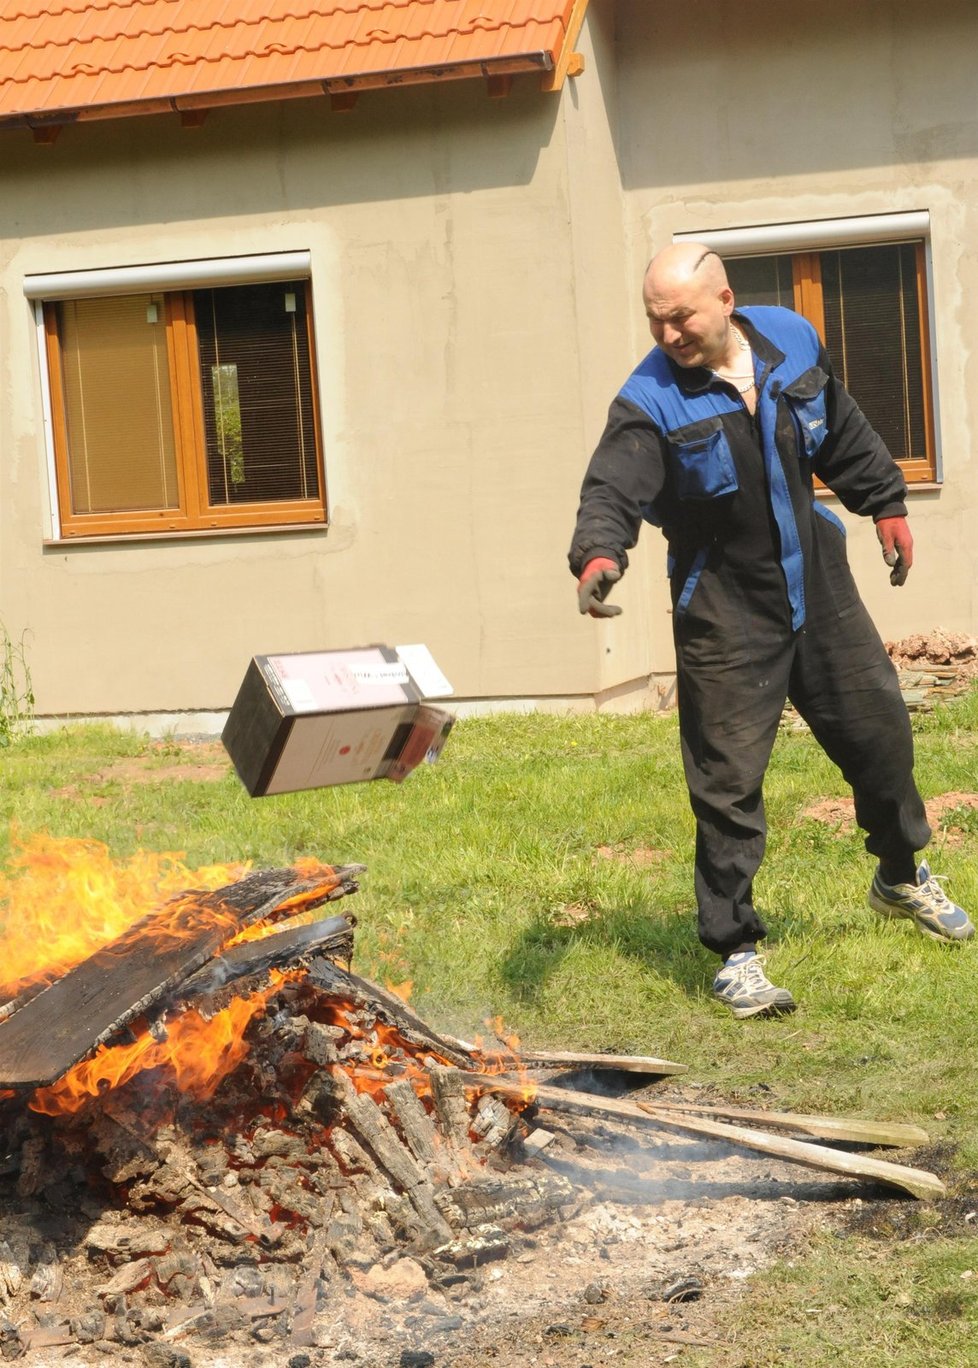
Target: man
<point>715,438</point>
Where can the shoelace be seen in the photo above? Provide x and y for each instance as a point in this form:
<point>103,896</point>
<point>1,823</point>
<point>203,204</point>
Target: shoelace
<point>933,885</point>
<point>750,974</point>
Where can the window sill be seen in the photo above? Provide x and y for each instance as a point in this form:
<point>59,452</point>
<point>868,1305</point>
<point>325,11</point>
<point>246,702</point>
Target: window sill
<point>191,534</point>
<point>917,487</point>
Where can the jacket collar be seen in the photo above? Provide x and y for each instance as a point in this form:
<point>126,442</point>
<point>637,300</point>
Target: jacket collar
<point>695,379</point>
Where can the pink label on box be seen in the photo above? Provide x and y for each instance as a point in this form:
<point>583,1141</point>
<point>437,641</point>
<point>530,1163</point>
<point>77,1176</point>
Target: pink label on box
<point>324,681</point>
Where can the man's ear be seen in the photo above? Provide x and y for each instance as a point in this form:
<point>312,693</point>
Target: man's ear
<point>726,298</point>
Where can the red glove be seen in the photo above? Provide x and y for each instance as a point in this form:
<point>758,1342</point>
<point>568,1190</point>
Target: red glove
<point>595,583</point>
<point>897,543</point>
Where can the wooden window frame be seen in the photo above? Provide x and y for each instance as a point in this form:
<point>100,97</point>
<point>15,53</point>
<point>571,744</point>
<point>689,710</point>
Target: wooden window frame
<point>809,301</point>
<point>806,267</point>
<point>802,241</point>
<point>193,513</point>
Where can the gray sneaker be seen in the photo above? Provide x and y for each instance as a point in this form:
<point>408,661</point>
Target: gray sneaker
<point>924,903</point>
<point>742,985</point>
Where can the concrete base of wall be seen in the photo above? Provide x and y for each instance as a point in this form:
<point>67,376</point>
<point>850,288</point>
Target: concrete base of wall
<point>654,693</point>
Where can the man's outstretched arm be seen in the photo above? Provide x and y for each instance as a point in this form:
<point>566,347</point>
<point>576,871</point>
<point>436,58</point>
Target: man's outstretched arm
<point>625,475</point>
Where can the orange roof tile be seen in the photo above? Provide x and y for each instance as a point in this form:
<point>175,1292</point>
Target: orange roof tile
<point>62,60</point>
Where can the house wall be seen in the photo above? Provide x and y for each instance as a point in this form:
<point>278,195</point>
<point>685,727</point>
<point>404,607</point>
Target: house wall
<point>454,393</point>
<point>476,275</point>
<point>787,114</point>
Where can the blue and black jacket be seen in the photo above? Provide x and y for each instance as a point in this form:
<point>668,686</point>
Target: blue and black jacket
<point>733,491</point>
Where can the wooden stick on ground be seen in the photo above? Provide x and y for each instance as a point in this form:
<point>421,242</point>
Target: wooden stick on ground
<point>852,1129</point>
<point>915,1181</point>
<point>567,1059</point>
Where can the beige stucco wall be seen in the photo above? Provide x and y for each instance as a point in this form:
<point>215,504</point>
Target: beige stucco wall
<point>455,389</point>
<point>476,270</point>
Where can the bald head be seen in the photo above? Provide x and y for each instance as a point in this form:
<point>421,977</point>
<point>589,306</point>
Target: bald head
<point>689,301</point>
<point>683,263</point>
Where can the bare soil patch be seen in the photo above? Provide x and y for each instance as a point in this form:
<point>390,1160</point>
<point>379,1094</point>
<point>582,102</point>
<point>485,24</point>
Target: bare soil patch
<point>639,856</point>
<point>840,816</point>
<point>177,761</point>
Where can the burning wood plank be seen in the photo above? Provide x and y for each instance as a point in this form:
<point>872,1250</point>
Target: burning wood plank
<point>290,947</point>
<point>92,1002</point>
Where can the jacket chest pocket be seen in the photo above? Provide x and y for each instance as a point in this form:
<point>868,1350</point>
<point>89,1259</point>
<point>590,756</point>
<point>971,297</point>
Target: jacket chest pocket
<point>805,398</point>
<point>702,461</point>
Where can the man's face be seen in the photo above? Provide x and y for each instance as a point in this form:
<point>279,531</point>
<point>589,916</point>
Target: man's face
<point>689,320</point>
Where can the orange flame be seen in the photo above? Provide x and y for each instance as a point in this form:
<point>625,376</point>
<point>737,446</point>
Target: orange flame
<point>197,1054</point>
<point>505,1060</point>
<point>63,898</point>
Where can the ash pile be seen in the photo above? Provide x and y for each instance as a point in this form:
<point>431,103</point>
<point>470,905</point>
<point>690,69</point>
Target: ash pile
<point>219,1146</point>
<point>210,1142</point>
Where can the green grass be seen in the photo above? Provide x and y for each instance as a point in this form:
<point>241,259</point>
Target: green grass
<point>860,1302</point>
<point>485,887</point>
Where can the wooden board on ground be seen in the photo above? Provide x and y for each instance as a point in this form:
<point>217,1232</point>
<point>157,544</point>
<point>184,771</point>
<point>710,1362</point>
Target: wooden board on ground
<point>89,1004</point>
<point>854,1130</point>
<point>567,1059</point>
<point>915,1181</point>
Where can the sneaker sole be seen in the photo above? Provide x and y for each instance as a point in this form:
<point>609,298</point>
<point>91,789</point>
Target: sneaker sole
<point>772,1009</point>
<point>891,913</point>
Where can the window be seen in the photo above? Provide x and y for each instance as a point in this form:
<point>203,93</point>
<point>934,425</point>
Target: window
<point>868,301</point>
<point>176,410</point>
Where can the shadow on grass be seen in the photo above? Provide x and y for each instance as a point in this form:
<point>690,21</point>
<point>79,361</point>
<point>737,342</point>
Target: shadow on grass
<point>670,949</point>
<point>663,943</point>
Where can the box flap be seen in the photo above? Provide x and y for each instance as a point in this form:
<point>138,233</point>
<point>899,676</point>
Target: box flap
<point>424,671</point>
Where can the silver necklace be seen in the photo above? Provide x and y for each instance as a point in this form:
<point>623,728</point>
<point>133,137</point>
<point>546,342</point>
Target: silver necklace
<point>733,379</point>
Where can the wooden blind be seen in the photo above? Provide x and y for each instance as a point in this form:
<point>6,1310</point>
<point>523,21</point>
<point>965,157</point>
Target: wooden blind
<point>117,402</point>
<point>256,389</point>
<point>873,333</point>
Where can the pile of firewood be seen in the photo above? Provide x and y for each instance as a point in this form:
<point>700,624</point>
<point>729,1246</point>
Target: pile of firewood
<point>934,666</point>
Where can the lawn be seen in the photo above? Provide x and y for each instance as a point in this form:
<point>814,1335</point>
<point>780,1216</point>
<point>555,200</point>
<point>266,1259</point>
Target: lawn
<point>541,873</point>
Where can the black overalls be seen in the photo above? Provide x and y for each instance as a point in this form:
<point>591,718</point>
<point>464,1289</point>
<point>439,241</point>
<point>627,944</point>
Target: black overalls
<point>764,605</point>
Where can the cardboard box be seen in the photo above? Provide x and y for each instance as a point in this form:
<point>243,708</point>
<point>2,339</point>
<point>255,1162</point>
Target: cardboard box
<point>312,720</point>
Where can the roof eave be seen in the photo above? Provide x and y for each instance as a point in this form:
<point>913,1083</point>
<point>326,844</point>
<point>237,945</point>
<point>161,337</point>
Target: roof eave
<point>541,63</point>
